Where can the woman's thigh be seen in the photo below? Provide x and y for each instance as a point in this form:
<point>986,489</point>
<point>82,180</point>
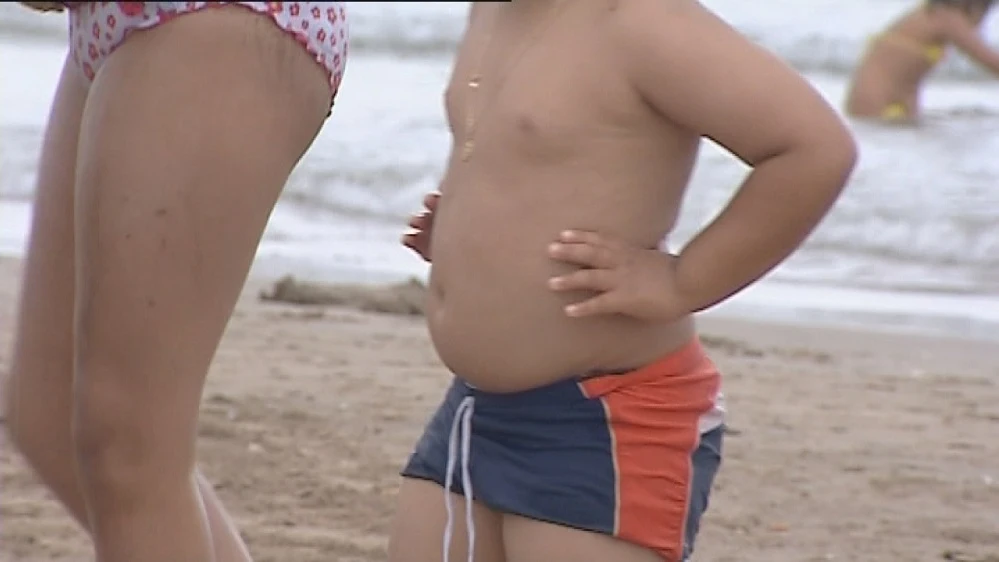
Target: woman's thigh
<point>189,134</point>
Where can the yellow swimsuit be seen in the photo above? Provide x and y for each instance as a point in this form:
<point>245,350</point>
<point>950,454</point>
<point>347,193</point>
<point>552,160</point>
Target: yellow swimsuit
<point>932,53</point>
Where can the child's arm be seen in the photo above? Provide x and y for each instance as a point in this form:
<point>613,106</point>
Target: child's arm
<point>703,75</point>
<point>421,227</point>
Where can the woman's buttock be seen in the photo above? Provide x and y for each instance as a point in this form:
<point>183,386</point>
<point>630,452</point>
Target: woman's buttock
<point>98,28</point>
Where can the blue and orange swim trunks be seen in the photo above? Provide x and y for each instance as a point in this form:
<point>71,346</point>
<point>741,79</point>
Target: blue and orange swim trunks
<point>619,454</point>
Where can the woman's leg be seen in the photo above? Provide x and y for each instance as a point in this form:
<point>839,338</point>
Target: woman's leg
<point>38,393</point>
<point>190,132</point>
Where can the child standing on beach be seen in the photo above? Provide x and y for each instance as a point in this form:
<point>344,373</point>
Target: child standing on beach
<point>581,391</point>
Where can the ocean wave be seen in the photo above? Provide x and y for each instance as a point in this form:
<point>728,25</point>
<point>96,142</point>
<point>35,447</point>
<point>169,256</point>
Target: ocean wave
<point>918,215</point>
<point>19,22</point>
<point>829,38</point>
<point>840,56</point>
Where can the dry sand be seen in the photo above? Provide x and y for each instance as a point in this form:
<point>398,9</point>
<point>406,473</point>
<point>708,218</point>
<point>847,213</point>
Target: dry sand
<point>845,445</point>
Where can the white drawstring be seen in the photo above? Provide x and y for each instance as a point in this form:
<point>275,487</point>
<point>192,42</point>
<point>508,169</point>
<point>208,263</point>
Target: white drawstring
<point>461,431</point>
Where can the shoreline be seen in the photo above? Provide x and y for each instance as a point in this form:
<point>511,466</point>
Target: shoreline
<point>309,413</point>
<point>945,315</point>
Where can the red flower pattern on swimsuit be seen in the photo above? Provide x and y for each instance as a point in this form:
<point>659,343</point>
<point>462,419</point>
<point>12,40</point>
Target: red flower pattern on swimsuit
<point>107,24</point>
<point>131,9</point>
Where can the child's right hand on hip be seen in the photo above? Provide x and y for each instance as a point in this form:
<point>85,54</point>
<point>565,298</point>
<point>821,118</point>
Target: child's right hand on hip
<point>421,227</point>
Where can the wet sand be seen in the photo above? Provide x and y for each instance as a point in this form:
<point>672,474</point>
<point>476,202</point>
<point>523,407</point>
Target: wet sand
<point>845,445</point>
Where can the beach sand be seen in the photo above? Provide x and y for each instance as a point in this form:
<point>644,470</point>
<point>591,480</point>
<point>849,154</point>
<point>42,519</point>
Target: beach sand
<point>844,445</point>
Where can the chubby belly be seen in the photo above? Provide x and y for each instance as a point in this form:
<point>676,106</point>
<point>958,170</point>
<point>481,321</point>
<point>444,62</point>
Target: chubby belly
<point>492,317</point>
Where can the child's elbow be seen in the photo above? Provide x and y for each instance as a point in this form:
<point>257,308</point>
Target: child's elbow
<point>843,148</point>
<point>836,148</point>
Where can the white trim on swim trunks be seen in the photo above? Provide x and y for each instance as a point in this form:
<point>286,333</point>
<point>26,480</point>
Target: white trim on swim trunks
<point>713,418</point>
<point>461,433</point>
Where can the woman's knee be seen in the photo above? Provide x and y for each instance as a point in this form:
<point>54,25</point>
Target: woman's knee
<point>120,441</point>
<point>33,420</point>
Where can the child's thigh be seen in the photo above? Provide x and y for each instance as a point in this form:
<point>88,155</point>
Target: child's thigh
<point>529,540</point>
<point>421,520</point>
